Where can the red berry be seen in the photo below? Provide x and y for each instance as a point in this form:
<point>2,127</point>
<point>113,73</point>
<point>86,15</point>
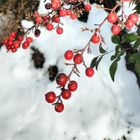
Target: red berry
<point>68,55</point>
<point>89,72</point>
<point>134,18</point>
<point>66,94</point>
<point>37,32</point>
<point>62,13</point>
<point>46,18</point>
<point>69,12</point>
<point>8,47</point>
<point>20,38</point>
<point>11,38</point>
<point>29,39</point>
<point>129,24</point>
<point>39,20</point>
<point>56,19</point>
<point>50,97</point>
<point>59,107</point>
<point>59,30</point>
<point>25,45</point>
<point>5,41</point>
<point>55,5</point>
<point>16,44</point>
<point>95,39</point>
<point>72,86</point>
<point>116,29</point>
<point>61,79</point>
<point>13,50</point>
<point>73,16</point>
<point>49,27</point>
<point>13,34</point>
<point>87,7</point>
<point>78,58</point>
<point>10,43</point>
<point>112,18</point>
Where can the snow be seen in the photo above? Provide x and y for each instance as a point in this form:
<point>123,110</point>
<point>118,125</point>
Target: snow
<point>98,109</point>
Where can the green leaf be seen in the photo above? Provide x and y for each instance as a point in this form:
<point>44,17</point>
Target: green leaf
<point>101,49</point>
<point>131,37</point>
<point>113,69</point>
<point>93,62</point>
<point>98,61</point>
<point>116,39</point>
<point>132,58</point>
<point>137,44</point>
<point>137,67</point>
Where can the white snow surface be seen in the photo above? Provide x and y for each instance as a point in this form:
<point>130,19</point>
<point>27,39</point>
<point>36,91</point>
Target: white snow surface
<point>98,109</point>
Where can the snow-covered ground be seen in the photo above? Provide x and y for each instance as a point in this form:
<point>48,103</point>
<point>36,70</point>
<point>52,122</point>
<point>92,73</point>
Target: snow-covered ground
<point>98,109</point>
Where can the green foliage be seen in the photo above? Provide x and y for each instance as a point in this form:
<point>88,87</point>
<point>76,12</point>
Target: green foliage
<point>131,37</point>
<point>113,69</point>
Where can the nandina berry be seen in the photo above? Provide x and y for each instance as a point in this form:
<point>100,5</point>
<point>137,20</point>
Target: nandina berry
<point>11,38</point>
<point>59,30</point>
<point>39,20</point>
<point>29,39</point>
<point>10,43</point>
<point>78,58</point>
<point>13,34</point>
<point>56,19</point>
<point>50,97</point>
<point>62,13</point>
<point>20,38</point>
<point>116,29</point>
<point>37,32</point>
<point>55,5</point>
<point>49,27</point>
<point>59,107</point>
<point>48,6</point>
<point>69,12</point>
<point>72,86</point>
<point>68,55</point>
<point>25,45</point>
<point>46,18</point>
<point>129,24</point>
<point>112,18</point>
<point>61,79</point>
<point>134,18</point>
<point>5,41</point>
<point>13,50</point>
<point>73,16</point>
<point>16,44</point>
<point>66,94</point>
<point>95,39</point>
<point>8,47</point>
<point>87,7</point>
<point>89,72</point>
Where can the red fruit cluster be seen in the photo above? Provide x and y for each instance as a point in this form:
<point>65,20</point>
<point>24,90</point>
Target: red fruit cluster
<point>64,82</point>
<point>62,79</point>
<point>14,42</point>
<point>117,23</point>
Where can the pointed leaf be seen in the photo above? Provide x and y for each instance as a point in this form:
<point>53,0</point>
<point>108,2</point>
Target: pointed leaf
<point>113,69</point>
<point>93,62</point>
<point>116,39</point>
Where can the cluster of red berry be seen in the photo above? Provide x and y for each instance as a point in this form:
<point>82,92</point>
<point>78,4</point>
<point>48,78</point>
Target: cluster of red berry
<point>129,22</point>
<point>64,80</point>
<point>13,42</point>
<point>57,9</point>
